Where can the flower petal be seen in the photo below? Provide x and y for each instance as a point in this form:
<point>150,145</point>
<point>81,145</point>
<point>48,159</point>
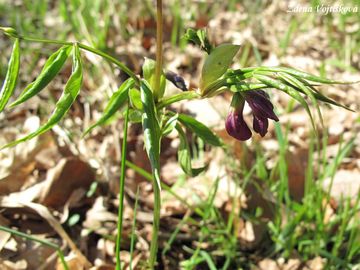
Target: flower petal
<point>236,126</point>
<point>260,125</point>
<point>260,104</point>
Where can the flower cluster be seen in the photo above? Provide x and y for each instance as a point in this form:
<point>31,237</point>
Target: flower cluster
<point>262,110</point>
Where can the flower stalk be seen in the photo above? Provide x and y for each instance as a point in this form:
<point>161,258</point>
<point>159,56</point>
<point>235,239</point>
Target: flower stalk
<point>156,186</point>
<point>159,41</point>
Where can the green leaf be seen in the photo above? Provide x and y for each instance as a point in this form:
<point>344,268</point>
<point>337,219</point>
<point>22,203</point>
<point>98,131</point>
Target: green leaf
<point>135,116</point>
<point>151,129</point>
<point>11,32</point>
<point>288,90</point>
<point>117,100</point>
<point>149,68</point>
<point>319,96</point>
<point>51,68</point>
<point>306,90</point>
<point>302,75</point>
<point>184,155</point>
<point>169,125</point>
<point>11,77</point>
<point>135,98</point>
<point>199,38</point>
<point>217,63</point>
<point>200,130</point>
<point>244,86</point>
<point>71,91</point>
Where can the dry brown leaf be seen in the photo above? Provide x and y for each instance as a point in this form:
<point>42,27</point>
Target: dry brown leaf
<point>47,158</point>
<point>16,164</point>
<point>4,238</point>
<point>36,255</point>
<point>45,213</point>
<point>68,175</point>
<point>76,196</point>
<point>74,263</point>
<point>258,197</point>
<point>9,265</point>
<point>297,164</point>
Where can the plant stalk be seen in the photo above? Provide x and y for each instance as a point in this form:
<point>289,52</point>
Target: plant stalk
<point>121,191</point>
<point>156,187</point>
<point>159,41</point>
<point>156,225</point>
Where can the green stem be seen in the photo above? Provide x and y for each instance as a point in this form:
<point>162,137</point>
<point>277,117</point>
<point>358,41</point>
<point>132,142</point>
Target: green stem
<point>156,225</point>
<point>132,240</point>
<point>29,237</point>
<point>108,57</point>
<point>178,97</point>
<point>40,241</point>
<point>159,40</point>
<point>156,186</point>
<point>121,191</point>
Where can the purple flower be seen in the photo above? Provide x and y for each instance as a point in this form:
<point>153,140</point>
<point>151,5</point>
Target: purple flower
<point>262,109</point>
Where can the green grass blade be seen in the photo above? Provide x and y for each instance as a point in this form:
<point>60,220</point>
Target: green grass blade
<point>208,260</point>
<point>40,241</point>
<point>71,91</point>
<point>132,239</point>
<point>11,77</point>
<point>172,237</point>
<point>121,191</point>
<point>51,68</point>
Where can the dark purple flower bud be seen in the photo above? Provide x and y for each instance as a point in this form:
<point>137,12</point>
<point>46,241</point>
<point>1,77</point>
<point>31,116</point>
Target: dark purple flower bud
<point>176,79</point>
<point>235,124</point>
<point>260,104</point>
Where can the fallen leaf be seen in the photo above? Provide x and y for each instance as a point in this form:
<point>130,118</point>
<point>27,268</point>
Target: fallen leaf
<point>68,175</point>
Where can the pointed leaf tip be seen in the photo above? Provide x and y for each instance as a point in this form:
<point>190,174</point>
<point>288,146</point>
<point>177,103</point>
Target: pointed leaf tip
<point>71,91</point>
<point>11,77</point>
